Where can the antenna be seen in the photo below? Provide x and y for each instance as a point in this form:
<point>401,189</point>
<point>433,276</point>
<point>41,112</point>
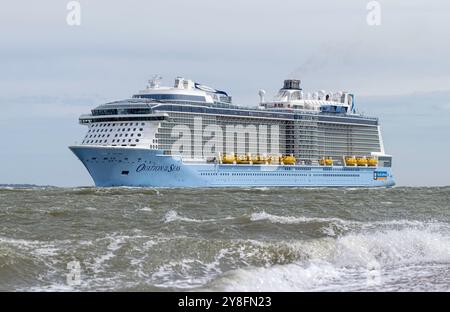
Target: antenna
<point>261,95</point>
<point>154,82</point>
<point>321,94</point>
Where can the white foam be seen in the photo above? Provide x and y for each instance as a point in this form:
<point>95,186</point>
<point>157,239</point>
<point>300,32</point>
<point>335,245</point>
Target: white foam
<point>345,263</point>
<point>172,216</point>
<point>260,216</point>
<point>290,277</point>
<point>184,274</point>
<point>345,224</point>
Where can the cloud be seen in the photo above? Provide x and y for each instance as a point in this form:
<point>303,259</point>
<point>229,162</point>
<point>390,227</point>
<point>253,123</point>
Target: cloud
<point>49,107</point>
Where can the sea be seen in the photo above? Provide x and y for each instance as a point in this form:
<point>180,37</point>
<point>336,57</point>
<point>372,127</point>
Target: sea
<point>254,239</point>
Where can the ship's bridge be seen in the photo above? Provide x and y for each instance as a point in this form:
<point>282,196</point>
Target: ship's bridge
<point>292,97</point>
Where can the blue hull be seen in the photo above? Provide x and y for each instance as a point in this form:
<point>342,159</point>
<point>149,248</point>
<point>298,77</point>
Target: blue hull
<point>111,166</point>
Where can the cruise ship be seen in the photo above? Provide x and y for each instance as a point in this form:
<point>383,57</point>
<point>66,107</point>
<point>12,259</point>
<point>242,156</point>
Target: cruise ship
<point>192,135</point>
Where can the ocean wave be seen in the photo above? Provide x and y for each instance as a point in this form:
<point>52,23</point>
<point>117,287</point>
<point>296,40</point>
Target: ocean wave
<point>190,272</point>
<point>345,224</point>
<point>347,261</point>
<point>148,209</point>
<point>173,216</point>
<point>263,216</point>
<point>315,264</point>
<point>126,260</point>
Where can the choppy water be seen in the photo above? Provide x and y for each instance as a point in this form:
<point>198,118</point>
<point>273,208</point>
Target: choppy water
<point>225,239</point>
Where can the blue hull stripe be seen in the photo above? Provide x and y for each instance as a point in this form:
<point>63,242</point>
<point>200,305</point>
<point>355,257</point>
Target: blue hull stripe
<point>109,166</point>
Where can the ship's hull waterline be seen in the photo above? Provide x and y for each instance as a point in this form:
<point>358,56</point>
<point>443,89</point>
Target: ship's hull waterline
<point>140,167</point>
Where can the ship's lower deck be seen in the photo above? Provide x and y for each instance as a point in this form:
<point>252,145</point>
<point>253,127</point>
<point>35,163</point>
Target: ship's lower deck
<point>112,166</point>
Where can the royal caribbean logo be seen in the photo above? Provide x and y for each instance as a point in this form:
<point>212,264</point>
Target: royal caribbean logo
<point>380,175</point>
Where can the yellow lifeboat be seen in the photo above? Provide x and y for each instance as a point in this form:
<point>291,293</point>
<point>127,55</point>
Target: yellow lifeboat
<point>361,161</point>
<point>372,161</point>
<point>326,161</point>
<point>228,159</point>
<point>244,159</point>
<point>350,161</point>
<point>258,160</point>
<point>288,160</point>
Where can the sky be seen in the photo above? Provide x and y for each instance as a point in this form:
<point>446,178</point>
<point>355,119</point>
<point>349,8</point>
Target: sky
<point>51,72</point>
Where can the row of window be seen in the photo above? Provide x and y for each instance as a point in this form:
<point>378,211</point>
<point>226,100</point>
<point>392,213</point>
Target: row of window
<point>111,130</point>
<point>254,174</point>
<point>182,97</point>
<point>106,141</point>
<point>335,175</point>
<point>95,125</point>
<point>107,135</point>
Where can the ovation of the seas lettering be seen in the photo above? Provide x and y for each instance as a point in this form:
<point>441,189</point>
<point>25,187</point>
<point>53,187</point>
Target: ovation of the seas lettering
<point>165,168</point>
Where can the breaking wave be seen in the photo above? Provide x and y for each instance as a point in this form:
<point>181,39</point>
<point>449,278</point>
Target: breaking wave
<point>351,262</point>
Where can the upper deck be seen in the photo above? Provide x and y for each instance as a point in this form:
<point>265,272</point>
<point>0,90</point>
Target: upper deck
<point>189,97</point>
